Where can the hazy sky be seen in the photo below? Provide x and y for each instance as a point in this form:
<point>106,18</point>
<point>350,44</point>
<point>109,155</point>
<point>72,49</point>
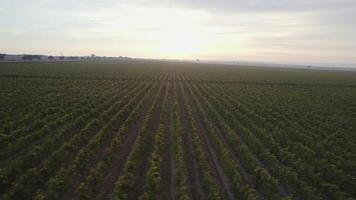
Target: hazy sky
<point>304,31</point>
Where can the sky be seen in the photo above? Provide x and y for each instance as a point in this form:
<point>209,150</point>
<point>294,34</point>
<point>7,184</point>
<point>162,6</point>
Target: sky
<point>283,31</point>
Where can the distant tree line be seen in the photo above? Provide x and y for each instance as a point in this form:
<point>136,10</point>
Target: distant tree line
<point>31,57</point>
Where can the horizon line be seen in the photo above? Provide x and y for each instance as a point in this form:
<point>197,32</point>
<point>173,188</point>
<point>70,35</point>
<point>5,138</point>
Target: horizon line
<point>199,60</point>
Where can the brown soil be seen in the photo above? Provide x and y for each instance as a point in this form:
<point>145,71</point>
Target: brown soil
<point>119,161</point>
<point>93,160</point>
<point>284,190</point>
<point>196,191</point>
<point>211,155</point>
<point>168,166</point>
<point>140,181</point>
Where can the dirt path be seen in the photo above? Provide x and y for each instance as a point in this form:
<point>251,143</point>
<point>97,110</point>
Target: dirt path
<point>249,179</point>
<point>125,149</point>
<point>284,190</point>
<point>71,193</point>
<point>244,173</point>
<point>195,187</point>
<point>211,155</point>
<point>173,170</point>
<point>152,129</point>
<point>168,168</point>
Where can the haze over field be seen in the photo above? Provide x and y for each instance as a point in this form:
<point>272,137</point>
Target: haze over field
<point>177,99</point>
<point>283,31</point>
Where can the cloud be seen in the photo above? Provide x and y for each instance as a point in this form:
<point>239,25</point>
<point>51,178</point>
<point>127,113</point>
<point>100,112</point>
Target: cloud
<point>319,29</point>
<point>234,6</point>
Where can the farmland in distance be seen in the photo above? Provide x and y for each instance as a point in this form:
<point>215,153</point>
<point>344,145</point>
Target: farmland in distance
<point>139,129</point>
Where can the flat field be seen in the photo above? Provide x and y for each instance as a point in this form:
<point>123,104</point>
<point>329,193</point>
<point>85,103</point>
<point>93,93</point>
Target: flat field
<point>140,129</point>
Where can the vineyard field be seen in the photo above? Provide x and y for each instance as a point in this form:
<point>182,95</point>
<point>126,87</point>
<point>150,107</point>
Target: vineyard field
<point>146,129</point>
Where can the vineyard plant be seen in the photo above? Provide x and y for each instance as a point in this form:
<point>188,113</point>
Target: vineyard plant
<point>147,130</point>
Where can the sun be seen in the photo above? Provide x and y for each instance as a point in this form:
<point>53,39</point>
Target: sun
<point>180,43</point>
<point>174,33</point>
